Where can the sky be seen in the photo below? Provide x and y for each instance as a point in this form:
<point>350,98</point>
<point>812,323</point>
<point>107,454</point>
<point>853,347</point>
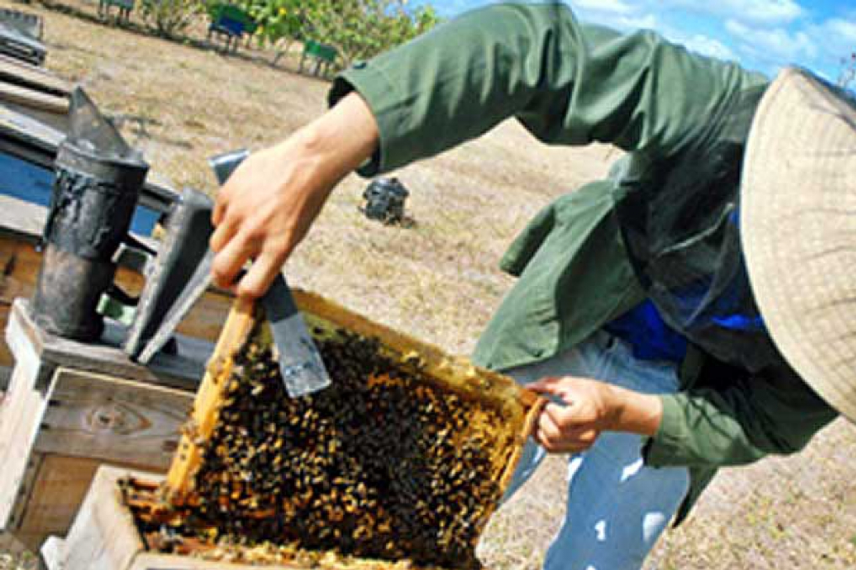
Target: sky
<point>761,35</point>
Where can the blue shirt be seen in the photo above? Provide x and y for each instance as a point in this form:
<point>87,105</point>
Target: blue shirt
<point>651,338</point>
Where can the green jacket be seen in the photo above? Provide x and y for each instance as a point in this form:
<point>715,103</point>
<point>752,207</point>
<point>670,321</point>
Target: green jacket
<point>573,84</point>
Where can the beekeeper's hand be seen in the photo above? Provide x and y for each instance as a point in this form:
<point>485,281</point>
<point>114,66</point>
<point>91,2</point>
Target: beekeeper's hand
<point>589,407</point>
<point>272,198</point>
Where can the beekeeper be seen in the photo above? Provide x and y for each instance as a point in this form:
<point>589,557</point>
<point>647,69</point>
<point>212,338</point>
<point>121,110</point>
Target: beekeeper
<point>695,310</point>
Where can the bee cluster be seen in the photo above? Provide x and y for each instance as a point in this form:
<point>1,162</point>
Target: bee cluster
<point>383,464</point>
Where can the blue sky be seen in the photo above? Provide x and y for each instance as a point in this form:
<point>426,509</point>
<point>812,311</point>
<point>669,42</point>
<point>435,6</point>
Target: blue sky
<point>760,34</point>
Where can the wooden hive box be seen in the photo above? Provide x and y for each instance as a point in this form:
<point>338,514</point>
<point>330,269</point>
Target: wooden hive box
<point>72,407</point>
<point>399,463</point>
<point>104,535</point>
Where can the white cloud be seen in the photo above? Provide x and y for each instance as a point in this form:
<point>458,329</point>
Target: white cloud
<point>708,46</point>
<point>758,12</point>
<point>774,46</point>
<point>608,6</point>
<point>842,30</point>
<point>836,38</point>
<point>641,21</point>
<point>761,34</point>
<point>614,14</point>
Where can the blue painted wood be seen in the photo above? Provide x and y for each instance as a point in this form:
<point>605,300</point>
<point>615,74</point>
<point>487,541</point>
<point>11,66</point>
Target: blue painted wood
<point>33,183</point>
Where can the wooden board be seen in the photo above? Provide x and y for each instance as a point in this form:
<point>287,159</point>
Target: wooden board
<point>21,412</point>
<point>54,436</point>
<point>10,544</point>
<point>33,99</point>
<point>210,394</point>
<point>89,420</point>
<point>54,445</point>
<point>103,536</point>
<point>13,70</point>
<point>19,266</point>
<point>116,420</point>
<point>181,370</point>
<point>52,497</point>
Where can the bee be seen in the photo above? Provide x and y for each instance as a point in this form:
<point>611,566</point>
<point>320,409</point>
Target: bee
<point>383,464</point>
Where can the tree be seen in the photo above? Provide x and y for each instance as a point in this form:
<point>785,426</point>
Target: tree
<point>359,29</point>
<point>280,22</point>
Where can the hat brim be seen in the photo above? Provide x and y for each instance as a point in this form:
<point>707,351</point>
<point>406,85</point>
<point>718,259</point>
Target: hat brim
<point>798,226</point>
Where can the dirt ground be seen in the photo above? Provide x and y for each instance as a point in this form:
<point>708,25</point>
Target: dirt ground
<point>438,280</point>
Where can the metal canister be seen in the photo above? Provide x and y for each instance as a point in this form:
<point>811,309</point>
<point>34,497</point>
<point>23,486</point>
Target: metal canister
<point>94,196</point>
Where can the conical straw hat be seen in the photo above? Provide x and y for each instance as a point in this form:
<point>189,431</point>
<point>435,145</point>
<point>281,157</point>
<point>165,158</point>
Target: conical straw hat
<point>798,224</point>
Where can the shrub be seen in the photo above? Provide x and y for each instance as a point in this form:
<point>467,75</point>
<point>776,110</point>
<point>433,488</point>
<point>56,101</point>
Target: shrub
<point>170,18</point>
<point>358,29</point>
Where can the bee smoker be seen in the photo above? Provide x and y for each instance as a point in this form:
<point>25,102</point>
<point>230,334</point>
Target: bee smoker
<point>385,200</point>
<point>97,185</point>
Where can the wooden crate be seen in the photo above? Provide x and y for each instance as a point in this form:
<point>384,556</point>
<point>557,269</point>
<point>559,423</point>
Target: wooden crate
<point>42,480</point>
<point>62,418</point>
<point>104,536</point>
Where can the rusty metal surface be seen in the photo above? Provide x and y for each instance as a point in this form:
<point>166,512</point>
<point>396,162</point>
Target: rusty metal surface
<point>67,293</point>
<point>97,185</point>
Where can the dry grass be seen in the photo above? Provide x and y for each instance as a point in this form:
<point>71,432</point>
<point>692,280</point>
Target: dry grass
<point>438,280</point>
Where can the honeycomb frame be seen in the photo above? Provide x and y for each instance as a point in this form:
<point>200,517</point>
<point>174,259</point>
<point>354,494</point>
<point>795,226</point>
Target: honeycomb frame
<point>515,407</point>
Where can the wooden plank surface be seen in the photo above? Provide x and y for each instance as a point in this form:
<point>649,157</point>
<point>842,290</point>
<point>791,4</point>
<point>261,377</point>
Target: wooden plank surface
<point>181,370</point>
<point>32,98</point>
<point>57,489</point>
<point>15,70</point>
<point>22,218</point>
<point>9,543</point>
<point>20,416</point>
<point>115,420</point>
<point>151,561</point>
<point>103,536</point>
<point>25,491</point>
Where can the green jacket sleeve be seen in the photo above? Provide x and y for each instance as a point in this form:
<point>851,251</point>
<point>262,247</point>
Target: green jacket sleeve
<point>738,423</point>
<point>567,83</point>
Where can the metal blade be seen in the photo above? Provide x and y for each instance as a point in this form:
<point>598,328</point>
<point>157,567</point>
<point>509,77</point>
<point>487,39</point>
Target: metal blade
<point>303,371</point>
<point>168,275</point>
<point>193,290</point>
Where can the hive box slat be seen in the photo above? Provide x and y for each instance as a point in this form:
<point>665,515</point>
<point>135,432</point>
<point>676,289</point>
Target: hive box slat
<point>53,493</point>
<point>117,420</point>
<point>57,445</point>
<point>104,537</point>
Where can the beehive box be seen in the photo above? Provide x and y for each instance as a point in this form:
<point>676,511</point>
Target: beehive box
<point>399,463</point>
